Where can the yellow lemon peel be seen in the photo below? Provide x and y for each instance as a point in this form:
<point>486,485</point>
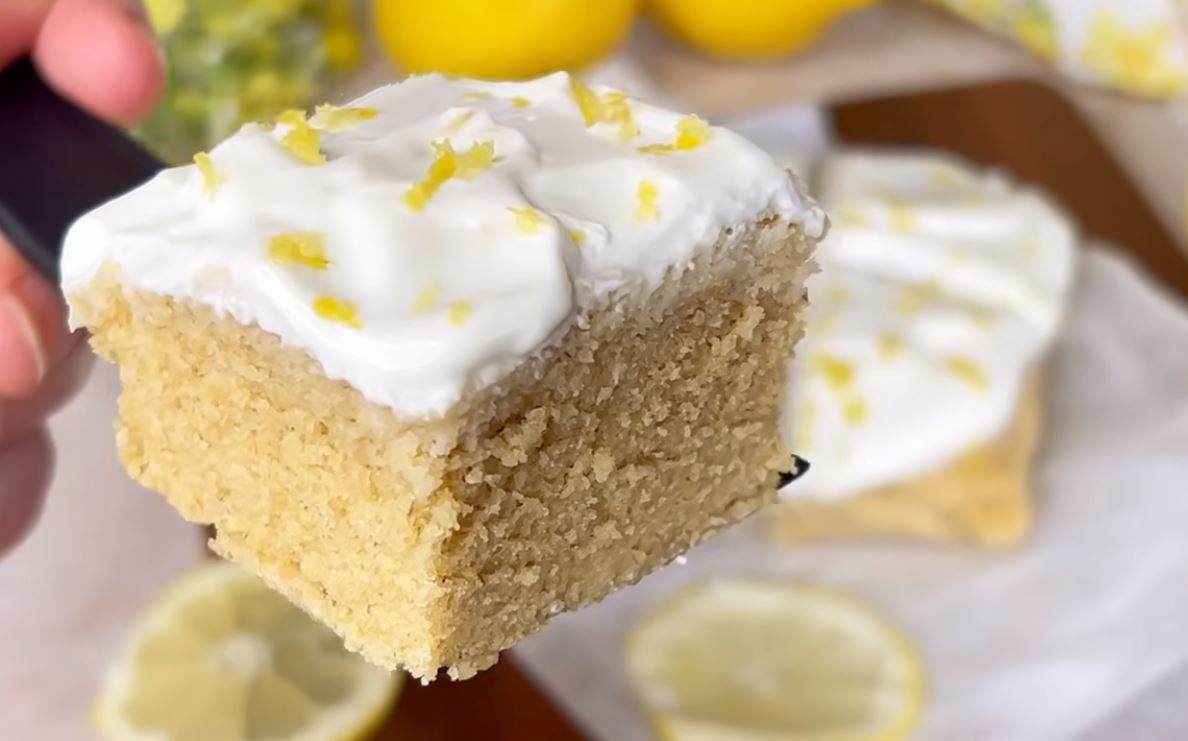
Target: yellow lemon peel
<point>449,164</point>
<point>336,310</point>
<point>691,133</point>
<point>890,345</point>
<point>460,311</point>
<point>302,140</point>
<point>333,118</point>
<point>528,219</point>
<point>968,371</point>
<point>302,248</point>
<point>427,298</point>
<point>212,178</point>
<point>855,411</point>
<point>647,198</point>
<point>837,372</point>
<point>611,107</point>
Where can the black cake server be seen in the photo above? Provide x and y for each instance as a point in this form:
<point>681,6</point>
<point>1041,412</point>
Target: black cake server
<point>56,163</point>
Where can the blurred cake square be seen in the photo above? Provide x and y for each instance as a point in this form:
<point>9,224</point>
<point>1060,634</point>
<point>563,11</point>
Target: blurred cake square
<point>917,394</point>
<point>458,356</point>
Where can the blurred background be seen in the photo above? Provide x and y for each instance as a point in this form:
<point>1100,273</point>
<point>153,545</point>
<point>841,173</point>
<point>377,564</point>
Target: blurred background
<point>990,543</point>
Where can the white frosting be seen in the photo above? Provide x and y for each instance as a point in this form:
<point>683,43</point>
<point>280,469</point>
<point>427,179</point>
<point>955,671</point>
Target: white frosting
<point>451,297</point>
<point>940,288</point>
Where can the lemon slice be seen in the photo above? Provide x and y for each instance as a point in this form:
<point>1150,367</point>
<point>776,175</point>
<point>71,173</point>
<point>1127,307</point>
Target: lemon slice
<point>221,656</point>
<point>759,661</point>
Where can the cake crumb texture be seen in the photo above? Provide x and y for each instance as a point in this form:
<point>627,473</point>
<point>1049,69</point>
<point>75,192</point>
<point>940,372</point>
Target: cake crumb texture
<point>438,543</point>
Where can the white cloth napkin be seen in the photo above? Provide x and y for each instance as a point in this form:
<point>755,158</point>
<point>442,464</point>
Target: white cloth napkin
<point>1037,644</point>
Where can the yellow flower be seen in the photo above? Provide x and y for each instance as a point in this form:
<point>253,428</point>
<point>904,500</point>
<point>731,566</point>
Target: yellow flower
<point>1137,61</point>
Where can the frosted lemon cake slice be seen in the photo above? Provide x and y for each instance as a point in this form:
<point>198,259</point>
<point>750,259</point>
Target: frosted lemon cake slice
<point>456,357</point>
<point>917,391</point>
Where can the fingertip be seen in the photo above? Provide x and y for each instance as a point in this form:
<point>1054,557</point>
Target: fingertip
<point>102,55</point>
<point>33,333</point>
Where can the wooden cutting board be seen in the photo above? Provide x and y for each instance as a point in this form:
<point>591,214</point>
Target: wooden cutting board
<point>1024,127</point>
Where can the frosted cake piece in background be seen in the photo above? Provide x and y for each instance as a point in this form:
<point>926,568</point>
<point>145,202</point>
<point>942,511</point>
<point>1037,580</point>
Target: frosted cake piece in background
<point>917,393</point>
<point>458,356</point>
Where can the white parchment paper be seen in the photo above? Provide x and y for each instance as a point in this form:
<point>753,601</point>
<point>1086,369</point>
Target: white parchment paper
<point>1042,643</point>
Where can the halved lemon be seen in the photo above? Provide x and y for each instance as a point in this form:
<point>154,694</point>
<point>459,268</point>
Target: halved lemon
<point>221,656</point>
<point>750,660</point>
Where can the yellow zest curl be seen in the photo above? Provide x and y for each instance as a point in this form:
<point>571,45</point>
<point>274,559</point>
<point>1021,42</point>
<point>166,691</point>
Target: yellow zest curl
<point>646,199</point>
<point>528,219</point>
<point>890,345</point>
<point>336,310</point>
<point>448,164</point>
<point>968,371</point>
<point>302,140</point>
<point>837,372</point>
<point>460,311</point>
<point>691,133</point>
<point>333,118</point>
<point>610,107</point>
<point>302,248</point>
<point>427,298</point>
<point>211,177</point>
<point>855,411</point>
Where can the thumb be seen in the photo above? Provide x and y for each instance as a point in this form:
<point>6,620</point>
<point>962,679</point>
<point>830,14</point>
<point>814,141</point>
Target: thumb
<point>33,334</point>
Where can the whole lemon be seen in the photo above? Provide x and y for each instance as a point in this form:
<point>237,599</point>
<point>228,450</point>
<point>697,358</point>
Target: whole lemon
<point>501,39</point>
<point>750,29</point>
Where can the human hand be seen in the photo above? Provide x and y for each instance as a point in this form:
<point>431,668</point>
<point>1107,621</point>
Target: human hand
<point>101,55</point>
